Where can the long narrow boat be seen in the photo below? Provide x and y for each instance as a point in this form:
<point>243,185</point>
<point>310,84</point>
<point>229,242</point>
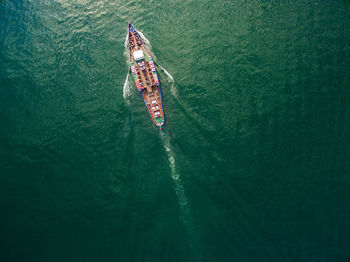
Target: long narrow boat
<point>145,75</point>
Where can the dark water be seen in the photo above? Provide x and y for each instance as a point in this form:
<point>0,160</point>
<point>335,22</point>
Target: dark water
<point>254,163</point>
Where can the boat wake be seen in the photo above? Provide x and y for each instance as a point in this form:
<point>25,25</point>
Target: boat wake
<point>126,87</point>
<point>171,81</point>
<point>184,205</point>
<point>126,41</point>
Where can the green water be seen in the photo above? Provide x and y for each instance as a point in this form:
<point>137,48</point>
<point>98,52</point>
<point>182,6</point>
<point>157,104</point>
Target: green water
<point>254,160</point>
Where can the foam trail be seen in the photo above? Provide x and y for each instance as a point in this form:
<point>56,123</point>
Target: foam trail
<point>185,217</point>
<point>126,87</point>
<point>170,77</point>
<point>126,40</point>
<point>126,52</point>
<point>173,89</point>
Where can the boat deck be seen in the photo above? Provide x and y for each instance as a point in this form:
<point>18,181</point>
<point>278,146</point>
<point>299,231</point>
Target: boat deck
<point>146,79</point>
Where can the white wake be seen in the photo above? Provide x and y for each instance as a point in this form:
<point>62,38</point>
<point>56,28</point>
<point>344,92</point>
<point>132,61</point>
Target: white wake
<point>126,87</point>
<point>185,209</point>
<point>126,40</point>
<point>171,81</point>
<point>179,189</point>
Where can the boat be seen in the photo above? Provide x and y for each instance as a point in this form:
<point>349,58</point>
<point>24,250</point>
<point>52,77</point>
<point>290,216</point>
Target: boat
<point>145,74</point>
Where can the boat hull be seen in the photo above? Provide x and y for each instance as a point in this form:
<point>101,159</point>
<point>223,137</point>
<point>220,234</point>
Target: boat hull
<point>146,77</point>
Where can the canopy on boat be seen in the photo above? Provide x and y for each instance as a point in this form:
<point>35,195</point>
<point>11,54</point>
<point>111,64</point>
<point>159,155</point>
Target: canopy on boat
<point>138,55</point>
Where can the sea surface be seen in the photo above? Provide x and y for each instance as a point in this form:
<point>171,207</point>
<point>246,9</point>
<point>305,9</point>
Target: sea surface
<point>253,163</point>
